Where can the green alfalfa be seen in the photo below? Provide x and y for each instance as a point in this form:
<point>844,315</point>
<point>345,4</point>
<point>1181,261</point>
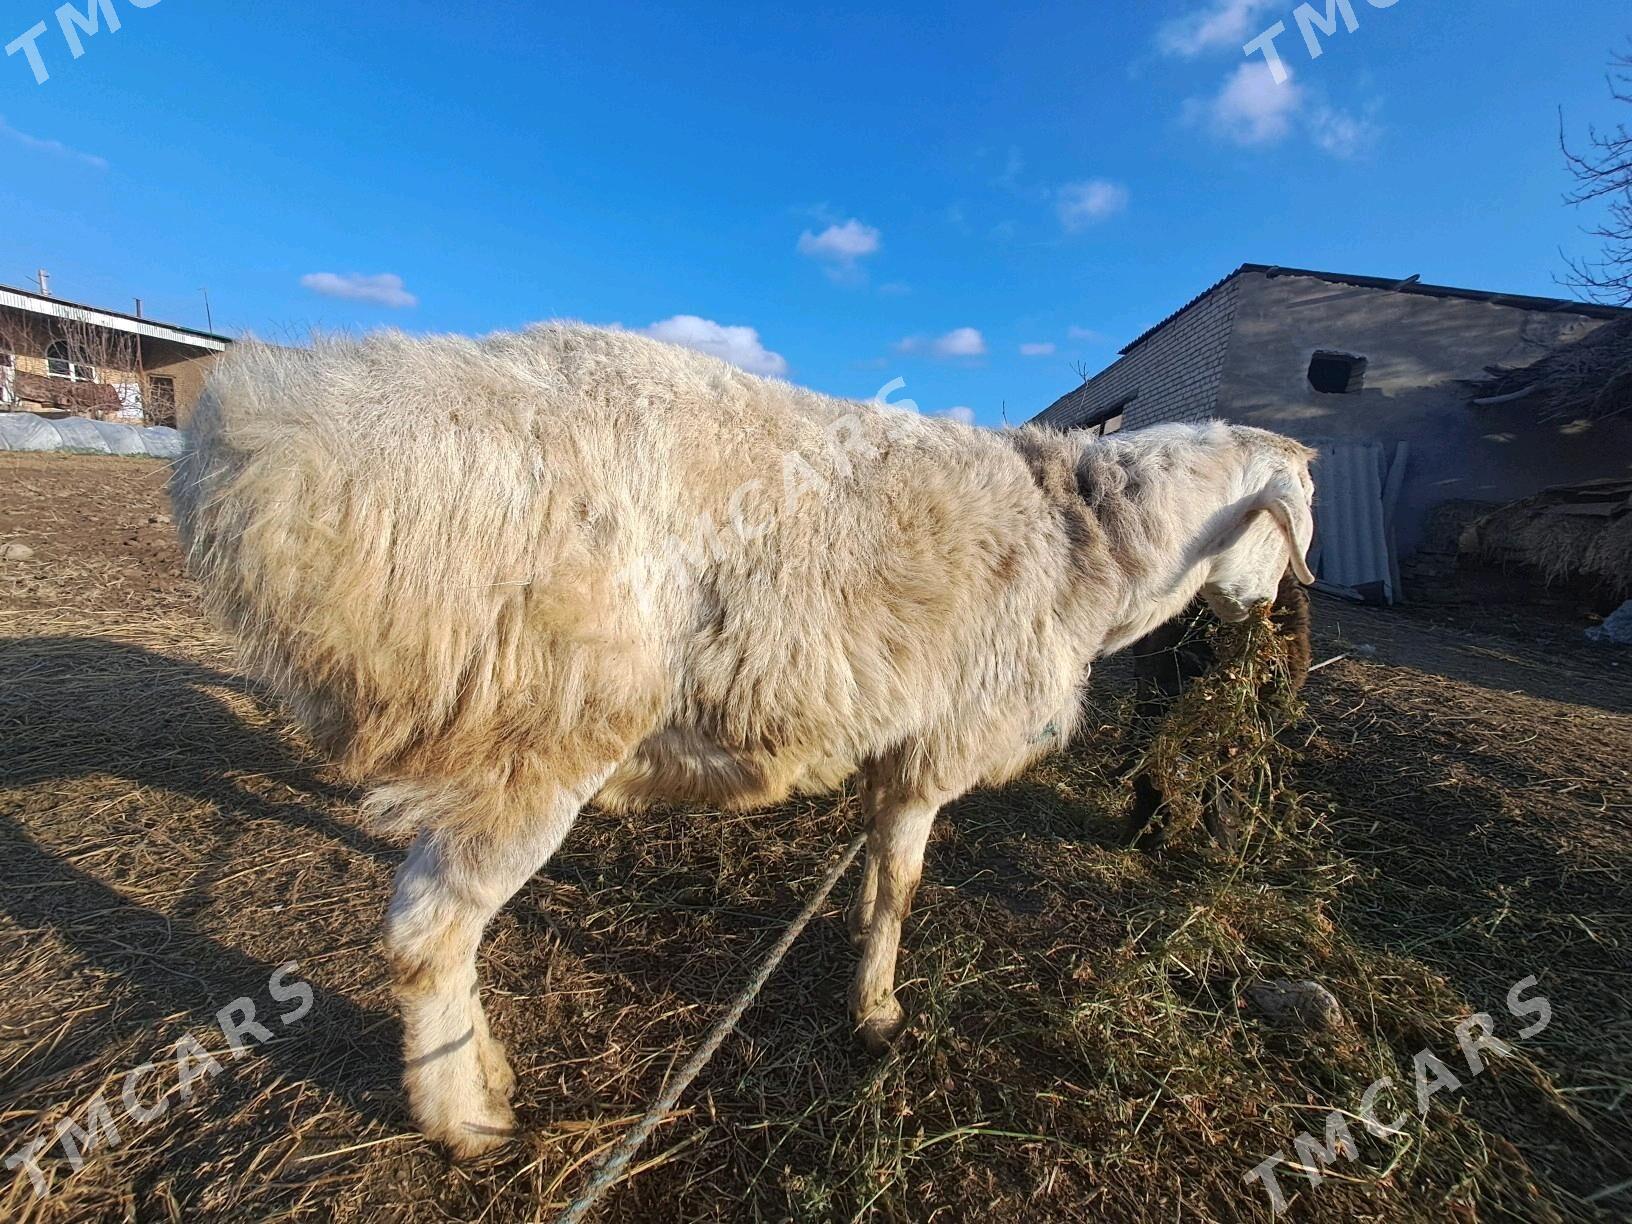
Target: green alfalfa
<point>1225,736</point>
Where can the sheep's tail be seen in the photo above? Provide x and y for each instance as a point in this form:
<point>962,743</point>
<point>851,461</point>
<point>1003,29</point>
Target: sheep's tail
<point>390,551</point>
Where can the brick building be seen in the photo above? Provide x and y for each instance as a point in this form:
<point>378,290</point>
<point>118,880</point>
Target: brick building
<point>1382,377</point>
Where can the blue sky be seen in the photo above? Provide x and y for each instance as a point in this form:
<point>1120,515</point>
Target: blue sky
<point>969,199</point>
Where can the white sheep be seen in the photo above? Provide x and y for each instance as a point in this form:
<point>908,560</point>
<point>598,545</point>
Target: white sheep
<point>500,578</point>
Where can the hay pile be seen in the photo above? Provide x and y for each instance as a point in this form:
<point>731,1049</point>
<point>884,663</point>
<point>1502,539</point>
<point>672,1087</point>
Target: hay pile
<point>1572,534</point>
<point>1223,739</point>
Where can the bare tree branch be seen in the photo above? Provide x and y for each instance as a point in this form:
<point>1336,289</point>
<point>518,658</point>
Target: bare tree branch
<point>1602,170</point>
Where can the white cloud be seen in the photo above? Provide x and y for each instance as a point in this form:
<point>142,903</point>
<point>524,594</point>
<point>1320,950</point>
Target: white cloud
<point>959,342</point>
<point>54,147</point>
<point>1340,133</point>
<point>960,413</point>
<point>1085,335</point>
<point>1087,203</point>
<point>1251,108</point>
<point>1218,25</point>
<point>740,346</point>
<point>841,245</point>
<point>381,289</point>
<point>1043,348</point>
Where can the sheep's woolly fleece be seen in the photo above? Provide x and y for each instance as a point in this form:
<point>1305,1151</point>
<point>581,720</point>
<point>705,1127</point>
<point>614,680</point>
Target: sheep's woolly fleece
<point>494,567</point>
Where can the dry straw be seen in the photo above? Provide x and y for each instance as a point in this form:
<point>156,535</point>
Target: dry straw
<point>611,1168</point>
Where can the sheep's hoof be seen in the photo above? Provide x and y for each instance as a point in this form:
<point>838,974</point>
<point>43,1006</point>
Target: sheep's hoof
<point>881,1026</point>
<point>479,1138</point>
<point>473,1117</point>
<point>485,1125</point>
<point>491,1124</point>
<point>1145,833</point>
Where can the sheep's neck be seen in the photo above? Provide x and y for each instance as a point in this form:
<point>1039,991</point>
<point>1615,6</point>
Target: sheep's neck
<point>1161,568</point>
<point>1138,615</point>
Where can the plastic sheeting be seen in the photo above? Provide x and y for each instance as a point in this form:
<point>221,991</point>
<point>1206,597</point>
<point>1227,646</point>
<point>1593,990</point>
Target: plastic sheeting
<point>1617,627</point>
<point>23,431</point>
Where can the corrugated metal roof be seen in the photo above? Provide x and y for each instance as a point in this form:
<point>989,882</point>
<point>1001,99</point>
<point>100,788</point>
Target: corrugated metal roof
<point>1407,285</point>
<point>1195,301</point>
<point>118,320</point>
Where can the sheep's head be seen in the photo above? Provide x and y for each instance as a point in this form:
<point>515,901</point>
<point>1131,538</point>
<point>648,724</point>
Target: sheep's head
<point>1264,531</point>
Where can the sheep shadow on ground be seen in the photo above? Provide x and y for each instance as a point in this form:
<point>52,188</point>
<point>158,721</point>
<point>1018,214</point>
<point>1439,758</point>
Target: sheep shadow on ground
<point>141,823</point>
<point>77,707</point>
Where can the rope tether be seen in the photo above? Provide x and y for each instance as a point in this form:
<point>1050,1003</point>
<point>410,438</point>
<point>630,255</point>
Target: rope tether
<point>612,1165</point>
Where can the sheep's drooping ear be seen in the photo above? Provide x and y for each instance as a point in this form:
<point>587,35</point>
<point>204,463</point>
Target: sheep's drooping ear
<point>1285,499</point>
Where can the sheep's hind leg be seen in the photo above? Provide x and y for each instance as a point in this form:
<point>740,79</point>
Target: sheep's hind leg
<point>859,919</point>
<point>454,880</point>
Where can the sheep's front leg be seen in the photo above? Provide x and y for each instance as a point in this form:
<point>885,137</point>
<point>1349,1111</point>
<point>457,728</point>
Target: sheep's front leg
<point>456,1074</point>
<point>895,863</point>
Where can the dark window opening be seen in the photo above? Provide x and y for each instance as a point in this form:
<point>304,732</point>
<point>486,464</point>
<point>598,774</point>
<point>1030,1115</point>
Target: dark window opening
<point>61,361</point>
<point>1337,373</point>
<point>1109,419</point>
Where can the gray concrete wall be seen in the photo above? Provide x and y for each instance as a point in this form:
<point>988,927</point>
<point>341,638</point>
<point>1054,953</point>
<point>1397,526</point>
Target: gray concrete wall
<point>1176,372</point>
<point>1416,347</point>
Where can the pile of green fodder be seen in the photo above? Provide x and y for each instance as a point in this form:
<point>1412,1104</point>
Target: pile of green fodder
<point>1225,739</point>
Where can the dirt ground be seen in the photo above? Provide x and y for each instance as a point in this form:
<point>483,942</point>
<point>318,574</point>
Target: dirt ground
<point>1083,1047</point>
